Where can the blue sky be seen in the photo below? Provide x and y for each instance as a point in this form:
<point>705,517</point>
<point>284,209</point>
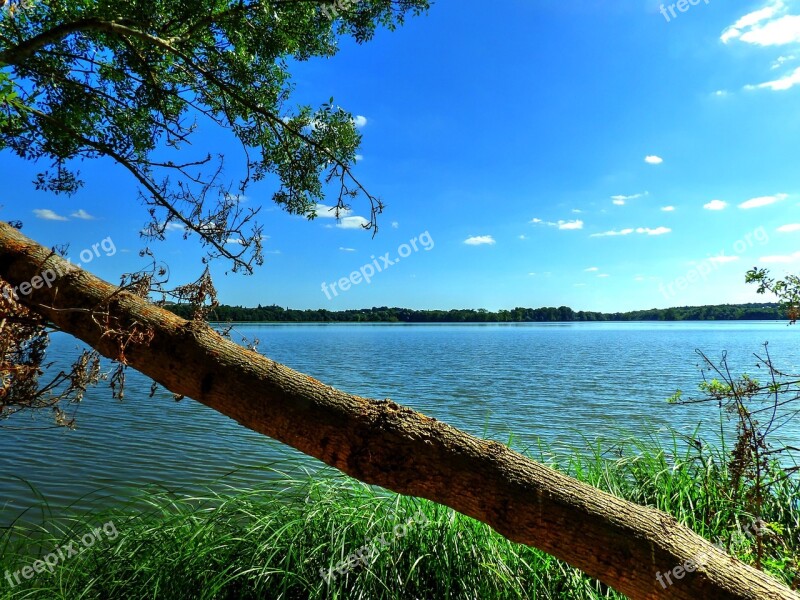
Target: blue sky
<point>601,155</point>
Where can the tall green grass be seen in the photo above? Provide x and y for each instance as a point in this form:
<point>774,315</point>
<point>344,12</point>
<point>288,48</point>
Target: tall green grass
<point>272,542</point>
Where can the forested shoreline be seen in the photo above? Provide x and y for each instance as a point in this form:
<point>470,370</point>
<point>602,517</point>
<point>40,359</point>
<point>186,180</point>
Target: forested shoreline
<point>278,314</point>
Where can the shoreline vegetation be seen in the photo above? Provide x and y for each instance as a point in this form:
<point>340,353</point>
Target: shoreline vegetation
<point>562,314</point>
<point>303,535</point>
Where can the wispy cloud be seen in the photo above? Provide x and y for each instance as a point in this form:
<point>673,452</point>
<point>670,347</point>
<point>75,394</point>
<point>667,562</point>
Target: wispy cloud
<point>656,231</point>
<point>781,60</point>
<point>768,26</point>
<point>480,240</point>
<point>620,200</point>
<point>150,230</point>
<point>614,232</point>
<point>630,230</point>
<point>395,225</point>
<point>723,259</point>
<point>763,201</point>
<point>48,215</point>
<point>82,214</point>
<point>789,228</point>
<point>592,269</point>
<point>329,212</point>
<point>346,218</point>
<point>668,208</point>
<point>347,249</point>
<point>786,82</point>
<point>561,224</point>
<point>360,121</point>
<point>576,224</point>
<point>786,258</point>
<point>352,223</point>
<point>653,159</point>
<point>716,205</point>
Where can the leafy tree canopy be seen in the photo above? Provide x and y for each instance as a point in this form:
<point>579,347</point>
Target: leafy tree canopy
<point>131,79</point>
<point>787,290</point>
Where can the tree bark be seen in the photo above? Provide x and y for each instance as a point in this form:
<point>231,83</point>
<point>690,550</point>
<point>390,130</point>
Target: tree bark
<point>622,544</point>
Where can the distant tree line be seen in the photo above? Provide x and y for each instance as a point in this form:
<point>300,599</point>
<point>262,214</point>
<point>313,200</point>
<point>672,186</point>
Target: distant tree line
<point>384,314</point>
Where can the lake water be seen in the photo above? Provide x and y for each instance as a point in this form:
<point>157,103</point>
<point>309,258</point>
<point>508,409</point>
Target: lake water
<point>560,384</point>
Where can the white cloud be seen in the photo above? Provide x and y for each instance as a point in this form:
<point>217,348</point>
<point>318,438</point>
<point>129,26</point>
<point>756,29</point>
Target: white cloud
<point>352,223</point>
<point>747,28</point>
<point>576,211</point>
<point>620,200</point>
<point>791,227</point>
<point>523,237</point>
<point>715,205</point>
<point>347,249</point>
<point>787,258</point>
<point>591,269</point>
<point>359,157</point>
<point>48,215</point>
<point>778,85</point>
<point>395,224</point>
<point>238,241</point>
<point>604,275</point>
<point>721,93</point>
<point>630,230</point>
<point>577,224</point>
<point>150,230</point>
<point>656,231</point>
<point>781,60</point>
<point>561,224</point>
<point>613,233</point>
<point>668,208</point>
<point>329,212</point>
<point>360,121</point>
<point>82,214</point>
<point>652,159</point>
<point>723,259</point>
<point>763,201</point>
<point>480,240</point>
<point>779,32</point>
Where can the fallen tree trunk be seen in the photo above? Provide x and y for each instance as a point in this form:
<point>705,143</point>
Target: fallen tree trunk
<point>622,544</point>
